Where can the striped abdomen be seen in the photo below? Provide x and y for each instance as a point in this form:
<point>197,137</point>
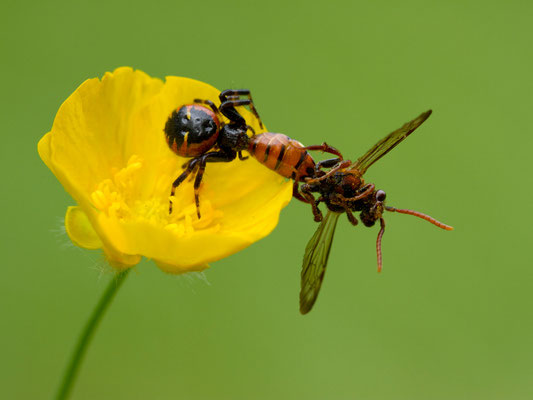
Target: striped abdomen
<point>282,154</point>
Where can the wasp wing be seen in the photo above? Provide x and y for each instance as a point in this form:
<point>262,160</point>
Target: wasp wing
<point>388,143</point>
<point>315,261</point>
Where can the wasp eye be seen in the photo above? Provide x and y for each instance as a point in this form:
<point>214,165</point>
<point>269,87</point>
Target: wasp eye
<point>380,195</point>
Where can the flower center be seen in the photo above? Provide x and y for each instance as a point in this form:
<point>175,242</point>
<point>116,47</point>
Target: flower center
<point>137,193</point>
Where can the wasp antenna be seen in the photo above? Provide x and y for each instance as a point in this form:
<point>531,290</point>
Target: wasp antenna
<point>421,215</point>
<point>378,244</point>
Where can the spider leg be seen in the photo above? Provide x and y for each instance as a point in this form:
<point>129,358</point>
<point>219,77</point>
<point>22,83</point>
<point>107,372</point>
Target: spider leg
<point>190,167</point>
<point>230,99</point>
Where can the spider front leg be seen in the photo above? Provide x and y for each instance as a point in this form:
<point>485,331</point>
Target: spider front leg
<point>229,99</point>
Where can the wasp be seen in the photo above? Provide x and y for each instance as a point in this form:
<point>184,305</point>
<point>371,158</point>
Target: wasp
<point>198,131</point>
<point>344,190</point>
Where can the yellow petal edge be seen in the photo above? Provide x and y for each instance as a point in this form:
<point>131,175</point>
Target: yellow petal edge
<point>107,149</point>
<point>80,230</point>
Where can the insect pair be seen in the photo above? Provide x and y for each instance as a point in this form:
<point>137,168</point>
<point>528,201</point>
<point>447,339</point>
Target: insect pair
<point>198,131</point>
<point>193,130</point>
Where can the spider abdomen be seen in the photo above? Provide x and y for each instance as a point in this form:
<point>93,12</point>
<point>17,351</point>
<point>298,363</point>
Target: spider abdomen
<point>192,130</point>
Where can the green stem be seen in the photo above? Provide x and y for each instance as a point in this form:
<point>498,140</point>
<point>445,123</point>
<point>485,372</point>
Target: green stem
<point>87,334</point>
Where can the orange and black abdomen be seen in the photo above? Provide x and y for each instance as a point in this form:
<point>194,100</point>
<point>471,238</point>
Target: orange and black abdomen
<point>192,130</point>
<point>282,154</point>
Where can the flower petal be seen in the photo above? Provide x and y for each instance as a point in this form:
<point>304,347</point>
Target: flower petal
<point>91,129</point>
<point>189,249</point>
<point>80,230</point>
<point>107,148</point>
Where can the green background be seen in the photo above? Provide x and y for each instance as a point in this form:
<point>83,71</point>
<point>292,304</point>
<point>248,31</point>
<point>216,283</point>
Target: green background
<point>450,317</point>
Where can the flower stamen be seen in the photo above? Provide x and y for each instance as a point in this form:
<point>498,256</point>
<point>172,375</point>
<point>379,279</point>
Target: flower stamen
<point>118,198</point>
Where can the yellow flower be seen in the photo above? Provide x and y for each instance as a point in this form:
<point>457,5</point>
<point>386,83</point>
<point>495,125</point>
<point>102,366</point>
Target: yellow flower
<point>108,150</point>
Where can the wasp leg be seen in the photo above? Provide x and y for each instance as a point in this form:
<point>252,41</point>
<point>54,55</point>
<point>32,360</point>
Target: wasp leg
<point>296,193</point>
<point>351,217</point>
<point>296,188</point>
<point>190,167</point>
<point>241,157</point>
<point>330,163</point>
<point>326,148</point>
<point>306,192</point>
<point>368,189</point>
<point>233,95</point>
<point>342,202</point>
<point>340,165</point>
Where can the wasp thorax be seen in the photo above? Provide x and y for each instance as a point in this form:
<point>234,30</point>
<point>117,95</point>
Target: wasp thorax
<point>349,185</point>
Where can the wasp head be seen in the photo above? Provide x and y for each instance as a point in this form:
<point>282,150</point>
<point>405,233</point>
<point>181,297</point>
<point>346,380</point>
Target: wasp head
<point>372,208</point>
